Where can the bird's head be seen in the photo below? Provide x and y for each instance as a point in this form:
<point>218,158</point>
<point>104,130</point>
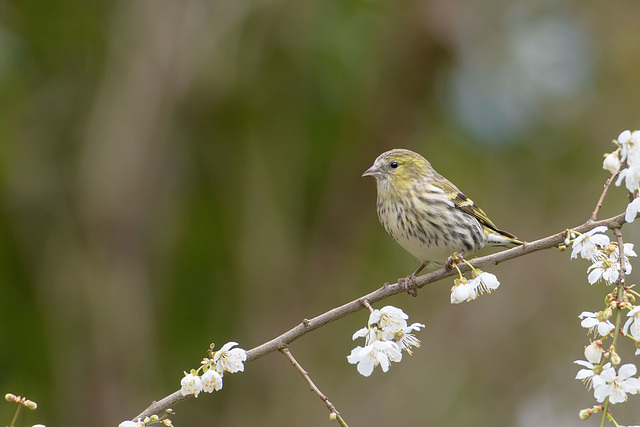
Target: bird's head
<point>398,169</point>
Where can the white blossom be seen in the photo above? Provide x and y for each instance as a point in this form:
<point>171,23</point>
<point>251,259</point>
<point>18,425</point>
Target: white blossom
<point>616,387</point>
<point>605,268</point>
<point>611,162</point>
<point>389,319</point>
<point>608,267</point>
<point>593,352</point>
<point>630,153</point>
<point>191,384</point>
<point>628,251</point>
<point>624,137</point>
<point>230,360</point>
<point>379,353</point>
<point>588,244</point>
<point>633,323</point>
<point>390,324</point>
<point>632,210</point>
<point>406,340</point>
<point>369,335</point>
<point>592,370</point>
<point>485,283</point>
<point>122,424</point>
<point>465,291</point>
<point>590,321</point>
<point>629,147</point>
<point>631,177</point>
<point>387,325</point>
<point>211,380</point>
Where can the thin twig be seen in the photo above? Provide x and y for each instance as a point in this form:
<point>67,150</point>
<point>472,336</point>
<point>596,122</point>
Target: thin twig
<point>366,304</point>
<point>15,417</point>
<point>388,290</point>
<point>607,184</point>
<point>332,409</point>
<point>620,282</point>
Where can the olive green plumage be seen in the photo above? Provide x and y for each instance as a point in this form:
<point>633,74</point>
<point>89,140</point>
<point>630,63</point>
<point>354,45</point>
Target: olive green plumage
<point>426,214</point>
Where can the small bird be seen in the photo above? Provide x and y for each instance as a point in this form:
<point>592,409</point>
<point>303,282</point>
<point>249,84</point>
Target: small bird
<point>427,215</point>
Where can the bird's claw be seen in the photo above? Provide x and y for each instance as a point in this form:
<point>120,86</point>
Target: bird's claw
<point>454,259</point>
<point>409,284</point>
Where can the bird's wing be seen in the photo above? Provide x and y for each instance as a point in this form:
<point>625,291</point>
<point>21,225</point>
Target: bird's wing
<point>465,204</point>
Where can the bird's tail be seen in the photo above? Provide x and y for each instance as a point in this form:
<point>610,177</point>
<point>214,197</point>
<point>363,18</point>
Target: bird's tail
<point>501,238</point>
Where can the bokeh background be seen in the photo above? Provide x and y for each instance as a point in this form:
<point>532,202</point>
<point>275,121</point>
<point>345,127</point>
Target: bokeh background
<point>179,173</point>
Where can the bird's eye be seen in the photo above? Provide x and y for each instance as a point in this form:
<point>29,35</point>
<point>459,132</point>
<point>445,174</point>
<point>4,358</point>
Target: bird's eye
<point>393,165</point>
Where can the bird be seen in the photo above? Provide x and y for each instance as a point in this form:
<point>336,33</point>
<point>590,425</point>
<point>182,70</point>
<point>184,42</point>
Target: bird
<point>428,215</point>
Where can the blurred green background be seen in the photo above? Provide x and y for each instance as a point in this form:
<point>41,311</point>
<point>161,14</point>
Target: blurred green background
<point>177,173</point>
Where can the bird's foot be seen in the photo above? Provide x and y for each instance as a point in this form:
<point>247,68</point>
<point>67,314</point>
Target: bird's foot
<point>409,284</point>
<point>454,259</point>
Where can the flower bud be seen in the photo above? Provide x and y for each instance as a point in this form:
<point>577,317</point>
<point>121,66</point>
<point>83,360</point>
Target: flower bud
<point>31,404</point>
<point>476,272</point>
<point>593,352</point>
<point>10,397</point>
<point>607,313</point>
<point>610,248</point>
<point>615,358</point>
<point>585,413</point>
<point>333,416</point>
<point>459,281</point>
<point>611,162</point>
<point>597,370</point>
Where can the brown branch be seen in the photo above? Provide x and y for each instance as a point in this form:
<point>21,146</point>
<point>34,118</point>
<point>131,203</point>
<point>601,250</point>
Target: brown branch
<point>607,184</point>
<point>620,291</point>
<point>332,409</point>
<point>388,290</point>
<point>622,259</point>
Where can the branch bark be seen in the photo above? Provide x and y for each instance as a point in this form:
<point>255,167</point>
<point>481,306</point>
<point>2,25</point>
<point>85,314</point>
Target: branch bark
<point>388,290</point>
<point>332,409</point>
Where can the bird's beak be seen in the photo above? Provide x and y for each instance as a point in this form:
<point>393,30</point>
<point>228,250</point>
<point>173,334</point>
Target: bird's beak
<point>372,171</point>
